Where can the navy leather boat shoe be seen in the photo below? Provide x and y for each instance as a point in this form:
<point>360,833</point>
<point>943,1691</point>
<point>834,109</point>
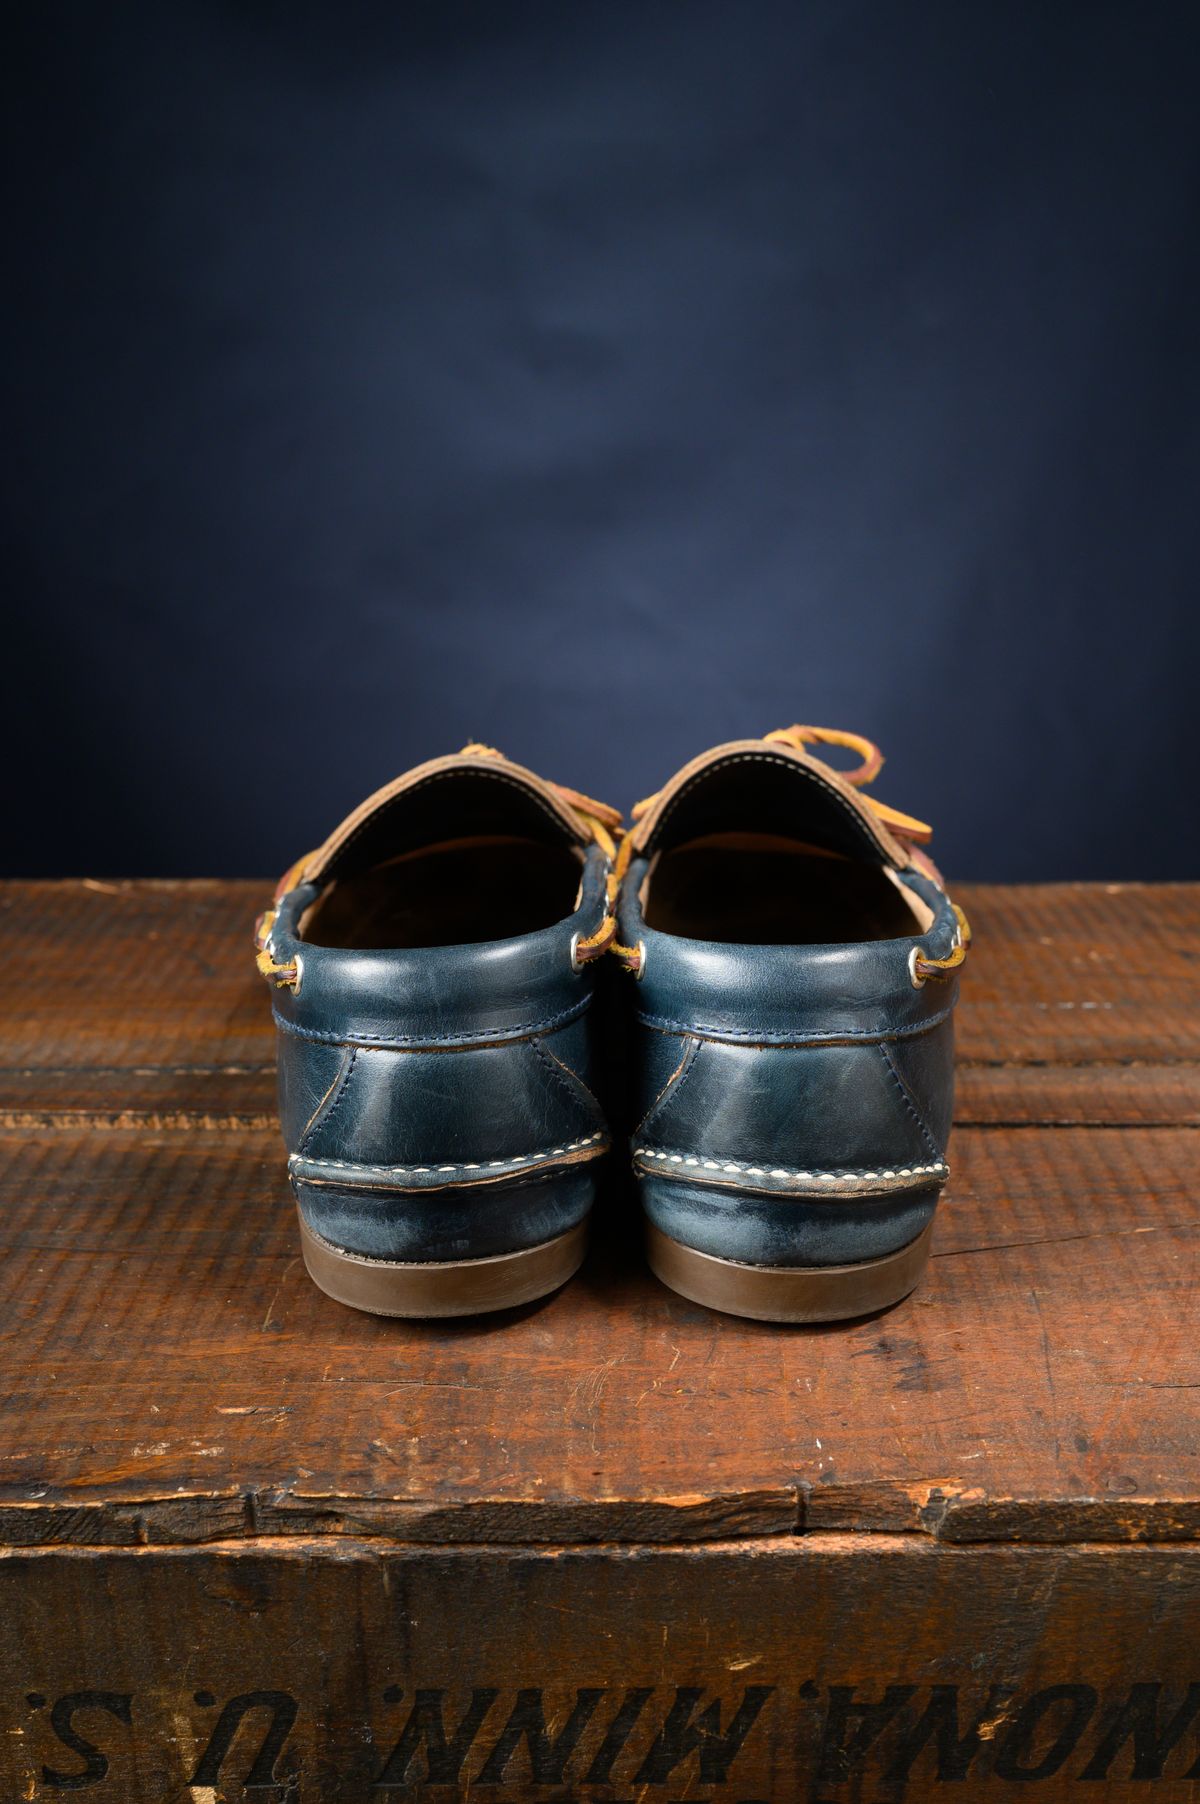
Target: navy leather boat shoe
<point>432,967</point>
<point>796,958</point>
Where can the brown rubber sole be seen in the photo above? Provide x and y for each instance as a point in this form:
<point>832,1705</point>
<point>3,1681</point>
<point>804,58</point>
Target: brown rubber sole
<point>442,1287</point>
<point>787,1293</point>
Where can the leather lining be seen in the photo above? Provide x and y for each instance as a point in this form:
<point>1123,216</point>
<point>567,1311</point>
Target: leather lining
<point>464,794</point>
<point>456,892</point>
<point>747,889</point>
<point>762,786</point>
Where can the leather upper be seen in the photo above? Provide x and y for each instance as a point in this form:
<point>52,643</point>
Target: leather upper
<point>796,1099</point>
<point>430,996</point>
<point>421,1086</point>
<point>789,994</point>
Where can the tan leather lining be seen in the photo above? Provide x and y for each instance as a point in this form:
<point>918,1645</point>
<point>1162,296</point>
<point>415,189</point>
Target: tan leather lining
<point>455,892</point>
<point>759,750</point>
<point>727,888</point>
<point>318,862</point>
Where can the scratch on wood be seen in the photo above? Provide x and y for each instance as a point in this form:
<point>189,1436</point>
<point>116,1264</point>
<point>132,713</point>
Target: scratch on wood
<point>287,1270</point>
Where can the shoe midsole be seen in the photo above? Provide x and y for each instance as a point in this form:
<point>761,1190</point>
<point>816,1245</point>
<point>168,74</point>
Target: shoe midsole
<point>755,1228</point>
<point>775,1293</point>
<point>442,1287</point>
<point>458,1223</point>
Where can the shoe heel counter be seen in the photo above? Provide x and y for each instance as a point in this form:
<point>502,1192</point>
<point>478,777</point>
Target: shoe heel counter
<point>441,1156</point>
<point>307,1072</point>
<point>836,1108</point>
<point>379,1106</point>
<point>821,1154</point>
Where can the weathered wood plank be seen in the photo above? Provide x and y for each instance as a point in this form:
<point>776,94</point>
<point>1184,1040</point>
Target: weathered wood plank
<point>831,1531</point>
<point>1096,1094</point>
<point>145,978</point>
<point>187,1381</point>
<point>827,1668</point>
<point>1063,972</point>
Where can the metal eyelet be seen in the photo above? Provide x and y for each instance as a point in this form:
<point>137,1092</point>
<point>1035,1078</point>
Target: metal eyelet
<point>576,961</point>
<point>641,969</point>
<point>299,964</point>
<point>914,976</point>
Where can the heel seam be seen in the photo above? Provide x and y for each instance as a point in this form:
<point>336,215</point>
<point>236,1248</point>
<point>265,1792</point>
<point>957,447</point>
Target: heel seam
<point>907,1098</point>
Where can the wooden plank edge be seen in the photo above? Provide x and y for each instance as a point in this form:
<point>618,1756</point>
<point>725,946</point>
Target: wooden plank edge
<point>150,1121</point>
<point>941,1512</point>
<point>992,1093</point>
<point>302,1549</point>
<point>1002,1101</point>
<point>964,1515</point>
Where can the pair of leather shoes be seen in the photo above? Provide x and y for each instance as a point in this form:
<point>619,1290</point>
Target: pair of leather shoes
<point>791,961</point>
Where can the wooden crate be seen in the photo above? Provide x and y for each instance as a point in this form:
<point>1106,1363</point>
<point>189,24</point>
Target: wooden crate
<point>610,1547</point>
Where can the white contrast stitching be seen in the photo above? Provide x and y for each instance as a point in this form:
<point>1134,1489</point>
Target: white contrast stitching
<point>938,1169</point>
<point>407,1171</point>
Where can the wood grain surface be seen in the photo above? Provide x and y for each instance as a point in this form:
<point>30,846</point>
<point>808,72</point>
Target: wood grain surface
<point>170,1373</point>
<point>766,1671</point>
<point>609,1547</point>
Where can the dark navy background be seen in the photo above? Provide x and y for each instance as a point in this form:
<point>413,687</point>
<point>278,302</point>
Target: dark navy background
<point>600,381</point>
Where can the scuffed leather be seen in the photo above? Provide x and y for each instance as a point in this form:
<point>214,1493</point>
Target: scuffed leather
<point>757,1230</point>
<point>436,1103</point>
<point>470,1105</point>
<point>791,995</point>
<point>450,1224</point>
<point>799,1108</point>
<point>444,996</point>
<point>796,1100</point>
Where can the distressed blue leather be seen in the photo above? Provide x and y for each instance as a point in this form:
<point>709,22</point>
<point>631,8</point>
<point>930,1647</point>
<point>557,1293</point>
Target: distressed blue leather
<point>796,1098</point>
<point>436,1101</point>
<point>431,996</point>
